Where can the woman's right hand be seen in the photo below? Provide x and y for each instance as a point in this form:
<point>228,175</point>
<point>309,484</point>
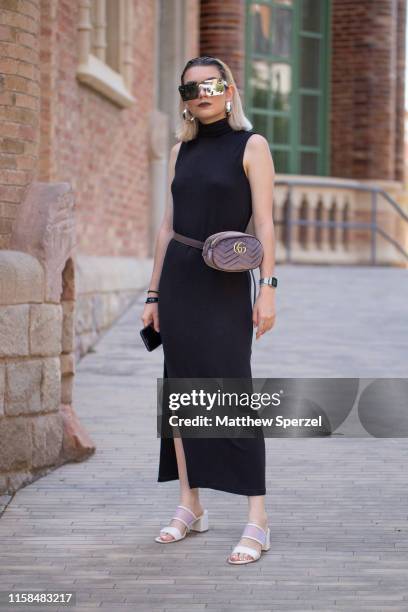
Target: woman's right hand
<point>151,315</point>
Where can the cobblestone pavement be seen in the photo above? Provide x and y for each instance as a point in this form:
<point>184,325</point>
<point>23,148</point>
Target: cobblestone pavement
<point>337,507</point>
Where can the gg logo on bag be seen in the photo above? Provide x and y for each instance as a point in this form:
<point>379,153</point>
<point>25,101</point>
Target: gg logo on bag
<point>239,248</point>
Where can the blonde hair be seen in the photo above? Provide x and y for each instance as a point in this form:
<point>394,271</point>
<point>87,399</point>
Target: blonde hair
<point>186,129</point>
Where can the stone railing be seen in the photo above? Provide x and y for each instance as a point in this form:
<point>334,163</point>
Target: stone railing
<point>325,220</point>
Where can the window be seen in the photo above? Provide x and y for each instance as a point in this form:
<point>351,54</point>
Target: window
<point>286,82</point>
<point>105,48</point>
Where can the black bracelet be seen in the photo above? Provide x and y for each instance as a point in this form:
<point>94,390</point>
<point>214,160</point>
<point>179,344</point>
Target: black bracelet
<point>152,291</point>
<point>151,300</point>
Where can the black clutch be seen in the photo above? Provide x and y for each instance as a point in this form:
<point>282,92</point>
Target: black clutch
<point>151,337</point>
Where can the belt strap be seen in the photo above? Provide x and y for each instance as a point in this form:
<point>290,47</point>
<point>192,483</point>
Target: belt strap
<point>199,245</point>
<point>190,241</point>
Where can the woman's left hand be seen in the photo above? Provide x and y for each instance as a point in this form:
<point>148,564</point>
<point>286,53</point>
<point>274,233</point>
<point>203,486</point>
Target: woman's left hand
<point>264,312</point>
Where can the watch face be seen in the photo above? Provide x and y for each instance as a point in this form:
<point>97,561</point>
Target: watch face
<point>271,281</point>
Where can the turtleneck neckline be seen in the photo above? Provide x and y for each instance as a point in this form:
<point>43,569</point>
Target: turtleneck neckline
<point>215,128</point>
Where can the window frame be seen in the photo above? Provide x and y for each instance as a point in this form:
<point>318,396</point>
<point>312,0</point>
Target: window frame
<point>92,69</point>
<point>294,148</point>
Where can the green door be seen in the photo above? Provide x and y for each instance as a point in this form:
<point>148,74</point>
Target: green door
<point>286,81</point>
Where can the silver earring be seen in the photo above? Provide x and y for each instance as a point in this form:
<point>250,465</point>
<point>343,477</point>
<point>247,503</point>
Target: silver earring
<point>228,107</point>
<point>185,115</point>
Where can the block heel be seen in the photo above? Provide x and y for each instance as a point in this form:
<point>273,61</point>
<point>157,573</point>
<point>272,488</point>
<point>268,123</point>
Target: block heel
<point>201,524</point>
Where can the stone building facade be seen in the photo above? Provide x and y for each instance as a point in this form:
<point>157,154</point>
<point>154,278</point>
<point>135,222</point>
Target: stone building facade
<point>89,106</point>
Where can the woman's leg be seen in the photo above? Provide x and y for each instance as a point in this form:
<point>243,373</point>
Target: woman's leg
<point>256,514</point>
<point>188,497</point>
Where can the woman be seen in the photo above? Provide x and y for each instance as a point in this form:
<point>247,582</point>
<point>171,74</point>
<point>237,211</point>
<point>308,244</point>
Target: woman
<point>220,173</point>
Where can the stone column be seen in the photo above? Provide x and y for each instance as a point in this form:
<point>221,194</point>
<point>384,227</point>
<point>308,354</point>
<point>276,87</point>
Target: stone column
<point>158,172</point>
<point>222,33</point>
<point>39,428</point>
<point>176,41</point>
<point>366,89</point>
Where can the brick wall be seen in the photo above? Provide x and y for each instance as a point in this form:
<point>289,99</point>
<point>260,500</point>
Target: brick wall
<point>101,149</point>
<point>367,88</point>
<point>19,106</point>
<point>57,129</point>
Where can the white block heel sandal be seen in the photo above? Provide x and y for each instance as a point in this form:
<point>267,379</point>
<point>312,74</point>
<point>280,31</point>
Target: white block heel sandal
<point>253,532</point>
<point>190,520</point>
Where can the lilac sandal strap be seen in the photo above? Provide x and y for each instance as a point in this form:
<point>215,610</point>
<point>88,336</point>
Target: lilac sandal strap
<point>254,532</point>
<point>185,515</point>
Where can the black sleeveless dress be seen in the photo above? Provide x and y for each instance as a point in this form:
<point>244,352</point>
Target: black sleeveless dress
<point>205,315</point>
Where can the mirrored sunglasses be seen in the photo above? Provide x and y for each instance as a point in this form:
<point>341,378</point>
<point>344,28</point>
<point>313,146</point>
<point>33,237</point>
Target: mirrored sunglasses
<point>212,87</point>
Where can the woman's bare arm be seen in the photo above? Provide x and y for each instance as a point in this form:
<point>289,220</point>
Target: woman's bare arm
<point>260,170</point>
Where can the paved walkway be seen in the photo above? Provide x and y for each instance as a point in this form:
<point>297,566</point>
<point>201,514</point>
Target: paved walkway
<point>337,507</point>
